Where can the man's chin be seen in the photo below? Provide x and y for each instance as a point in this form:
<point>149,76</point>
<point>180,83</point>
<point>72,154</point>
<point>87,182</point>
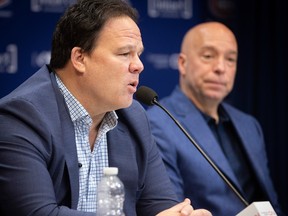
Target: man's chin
<point>215,98</point>
<point>126,104</point>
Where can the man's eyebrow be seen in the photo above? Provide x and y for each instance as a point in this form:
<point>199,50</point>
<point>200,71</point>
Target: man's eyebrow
<point>212,48</point>
<point>130,47</point>
<point>204,48</point>
<point>233,52</point>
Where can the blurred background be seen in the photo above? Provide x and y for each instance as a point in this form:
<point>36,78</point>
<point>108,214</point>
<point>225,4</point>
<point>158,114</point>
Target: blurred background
<point>260,27</point>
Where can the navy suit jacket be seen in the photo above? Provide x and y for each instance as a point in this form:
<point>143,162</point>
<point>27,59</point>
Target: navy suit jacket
<point>191,175</point>
<point>38,158</point>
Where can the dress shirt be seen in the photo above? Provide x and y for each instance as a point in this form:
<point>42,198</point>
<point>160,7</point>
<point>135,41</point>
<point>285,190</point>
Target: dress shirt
<point>235,154</point>
<point>91,163</point>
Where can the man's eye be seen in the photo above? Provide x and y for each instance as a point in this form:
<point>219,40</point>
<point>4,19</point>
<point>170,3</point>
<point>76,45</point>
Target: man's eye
<point>231,59</point>
<point>207,56</point>
<point>125,54</point>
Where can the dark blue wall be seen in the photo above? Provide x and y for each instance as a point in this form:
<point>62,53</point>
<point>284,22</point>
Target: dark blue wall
<point>260,27</point>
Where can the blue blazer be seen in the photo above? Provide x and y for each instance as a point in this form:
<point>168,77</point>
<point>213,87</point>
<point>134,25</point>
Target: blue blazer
<point>38,159</point>
<point>191,175</point>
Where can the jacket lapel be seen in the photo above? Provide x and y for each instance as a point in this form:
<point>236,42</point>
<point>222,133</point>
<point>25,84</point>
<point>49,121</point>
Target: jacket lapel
<point>69,145</point>
<point>248,138</point>
<point>193,121</point>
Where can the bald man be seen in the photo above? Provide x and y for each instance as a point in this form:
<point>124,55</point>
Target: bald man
<point>232,139</point>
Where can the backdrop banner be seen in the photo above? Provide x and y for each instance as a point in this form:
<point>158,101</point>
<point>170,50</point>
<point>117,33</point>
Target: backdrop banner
<point>261,82</point>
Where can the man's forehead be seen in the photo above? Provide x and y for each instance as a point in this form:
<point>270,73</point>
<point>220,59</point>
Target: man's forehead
<point>122,25</point>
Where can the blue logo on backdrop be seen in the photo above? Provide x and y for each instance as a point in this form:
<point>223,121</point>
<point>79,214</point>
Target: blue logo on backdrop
<point>3,3</point>
<point>50,5</point>
<point>170,9</point>
<point>222,8</point>
<point>38,59</point>
<point>9,59</point>
<point>4,12</point>
<point>163,61</point>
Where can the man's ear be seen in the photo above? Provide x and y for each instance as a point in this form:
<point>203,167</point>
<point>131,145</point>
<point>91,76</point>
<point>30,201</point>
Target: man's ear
<point>182,59</point>
<point>77,59</point>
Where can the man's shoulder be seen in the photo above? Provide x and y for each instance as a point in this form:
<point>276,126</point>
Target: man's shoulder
<point>33,85</point>
<point>233,110</point>
<point>134,113</point>
<point>239,115</point>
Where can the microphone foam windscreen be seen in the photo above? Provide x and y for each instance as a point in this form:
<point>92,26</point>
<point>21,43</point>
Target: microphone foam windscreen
<point>146,95</point>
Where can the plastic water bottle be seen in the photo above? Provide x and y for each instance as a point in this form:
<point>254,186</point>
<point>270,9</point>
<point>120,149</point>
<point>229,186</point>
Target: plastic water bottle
<point>110,194</point>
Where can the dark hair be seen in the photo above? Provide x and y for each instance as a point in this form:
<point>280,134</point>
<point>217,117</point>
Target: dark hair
<point>81,24</point>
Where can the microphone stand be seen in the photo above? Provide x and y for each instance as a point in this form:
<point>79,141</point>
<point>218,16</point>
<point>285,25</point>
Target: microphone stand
<point>202,152</point>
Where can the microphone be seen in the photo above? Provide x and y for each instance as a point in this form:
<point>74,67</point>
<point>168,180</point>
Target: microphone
<point>149,97</point>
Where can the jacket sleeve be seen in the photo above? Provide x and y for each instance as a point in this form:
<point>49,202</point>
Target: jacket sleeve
<point>26,153</point>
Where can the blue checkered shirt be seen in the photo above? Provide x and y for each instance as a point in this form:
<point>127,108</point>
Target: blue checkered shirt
<point>93,161</point>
